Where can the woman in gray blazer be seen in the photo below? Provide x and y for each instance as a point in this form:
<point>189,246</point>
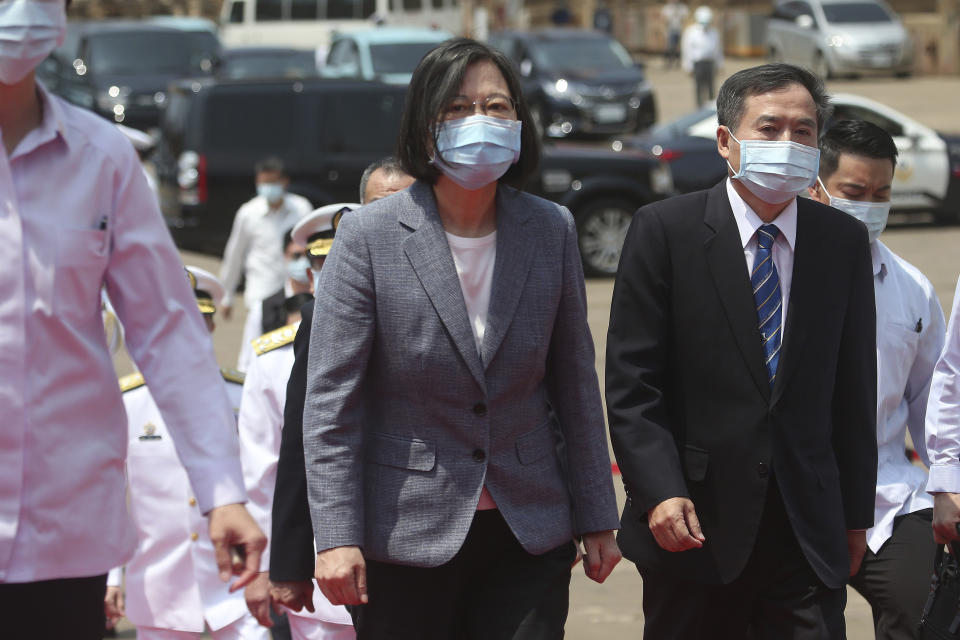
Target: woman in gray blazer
<point>449,357</point>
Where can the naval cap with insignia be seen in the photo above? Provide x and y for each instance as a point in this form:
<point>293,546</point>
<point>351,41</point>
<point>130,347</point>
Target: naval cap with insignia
<point>207,287</point>
<point>315,231</point>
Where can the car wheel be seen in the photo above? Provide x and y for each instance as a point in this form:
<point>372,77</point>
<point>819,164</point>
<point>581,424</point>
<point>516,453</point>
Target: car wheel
<point>821,67</point>
<point>602,228</point>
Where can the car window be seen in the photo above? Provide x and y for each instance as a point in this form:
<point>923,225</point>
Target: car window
<point>853,112</point>
<point>293,64</point>
<point>342,9</point>
<point>854,12</point>
<point>400,57</point>
<point>148,52</point>
<point>269,10</point>
<point>363,122</point>
<point>236,11</point>
<point>258,124</point>
<point>580,54</point>
<point>804,9</point>
<point>304,10</point>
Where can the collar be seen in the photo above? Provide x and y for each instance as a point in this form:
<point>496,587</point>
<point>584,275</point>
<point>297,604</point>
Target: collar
<point>748,221</point>
<point>52,124</point>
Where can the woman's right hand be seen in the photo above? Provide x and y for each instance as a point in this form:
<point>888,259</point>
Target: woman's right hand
<point>342,575</point>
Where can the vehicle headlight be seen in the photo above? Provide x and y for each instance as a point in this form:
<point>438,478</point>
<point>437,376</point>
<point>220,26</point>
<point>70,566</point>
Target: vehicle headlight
<point>835,41</point>
<point>113,97</point>
<point>561,90</point>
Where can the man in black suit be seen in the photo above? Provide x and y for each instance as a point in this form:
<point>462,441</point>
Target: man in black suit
<point>741,384</point>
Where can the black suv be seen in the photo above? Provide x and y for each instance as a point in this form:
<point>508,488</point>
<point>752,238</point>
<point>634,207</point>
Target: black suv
<point>327,132</point>
<point>578,82</point>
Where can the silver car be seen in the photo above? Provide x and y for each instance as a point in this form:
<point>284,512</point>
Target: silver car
<point>839,37</point>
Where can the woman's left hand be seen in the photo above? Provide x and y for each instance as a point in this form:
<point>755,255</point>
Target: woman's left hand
<point>601,554</point>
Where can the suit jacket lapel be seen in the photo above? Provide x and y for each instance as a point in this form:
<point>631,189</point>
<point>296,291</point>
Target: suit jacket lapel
<point>429,254</point>
<point>803,291</point>
<point>515,252</point>
<point>724,253</point>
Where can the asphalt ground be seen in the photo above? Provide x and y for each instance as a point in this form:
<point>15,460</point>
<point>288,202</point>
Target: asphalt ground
<point>614,608</point>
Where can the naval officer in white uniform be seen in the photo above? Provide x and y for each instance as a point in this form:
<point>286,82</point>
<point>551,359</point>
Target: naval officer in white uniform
<point>173,590</point>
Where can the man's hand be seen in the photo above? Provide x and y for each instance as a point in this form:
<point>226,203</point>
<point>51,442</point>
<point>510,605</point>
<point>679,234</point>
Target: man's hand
<point>257,595</point>
<point>342,575</point>
<point>857,546</point>
<point>226,310</point>
<point>601,555</point>
<point>113,606</point>
<point>292,594</point>
<point>946,515</point>
<point>234,533</point>
<point>675,525</point>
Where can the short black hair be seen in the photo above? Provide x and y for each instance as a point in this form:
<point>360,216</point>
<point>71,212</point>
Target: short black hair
<point>389,164</point>
<point>858,138</point>
<point>272,164</point>
<point>435,81</point>
<point>733,94</point>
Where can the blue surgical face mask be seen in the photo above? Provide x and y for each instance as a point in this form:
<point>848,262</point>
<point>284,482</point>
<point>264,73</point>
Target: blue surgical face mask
<point>272,192</point>
<point>297,270</point>
<point>872,214</point>
<point>776,170</point>
<point>477,150</point>
<point>29,31</point>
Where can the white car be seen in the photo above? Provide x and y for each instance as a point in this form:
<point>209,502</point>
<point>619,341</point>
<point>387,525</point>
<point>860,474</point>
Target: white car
<point>388,54</point>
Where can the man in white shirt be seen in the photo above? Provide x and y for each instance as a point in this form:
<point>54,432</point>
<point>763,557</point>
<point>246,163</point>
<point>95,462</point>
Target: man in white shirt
<point>76,214</point>
<point>701,54</point>
<point>674,14</point>
<point>857,160</point>
<point>255,247</point>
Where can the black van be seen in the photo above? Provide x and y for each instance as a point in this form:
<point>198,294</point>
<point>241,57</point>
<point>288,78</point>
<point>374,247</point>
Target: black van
<point>213,132</point>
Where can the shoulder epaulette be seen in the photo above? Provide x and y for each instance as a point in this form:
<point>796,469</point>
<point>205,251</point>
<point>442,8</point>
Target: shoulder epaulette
<point>232,375</point>
<point>130,382</point>
<point>275,339</point>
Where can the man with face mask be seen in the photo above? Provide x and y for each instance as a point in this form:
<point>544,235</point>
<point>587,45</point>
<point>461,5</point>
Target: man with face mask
<point>255,247</point>
<point>857,161</point>
<point>741,384</point>
<point>76,214</point>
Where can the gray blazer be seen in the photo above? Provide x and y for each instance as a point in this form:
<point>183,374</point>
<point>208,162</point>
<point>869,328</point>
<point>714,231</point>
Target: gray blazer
<point>405,422</point>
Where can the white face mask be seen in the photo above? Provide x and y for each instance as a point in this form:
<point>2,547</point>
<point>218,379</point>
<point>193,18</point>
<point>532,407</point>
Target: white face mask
<point>29,31</point>
<point>776,170</point>
<point>477,150</point>
<point>272,192</point>
<point>297,270</point>
<point>872,214</point>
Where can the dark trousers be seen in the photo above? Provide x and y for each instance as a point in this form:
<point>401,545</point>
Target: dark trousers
<point>703,76</point>
<point>69,608</point>
<point>777,597</point>
<point>896,580</point>
<point>491,590</point>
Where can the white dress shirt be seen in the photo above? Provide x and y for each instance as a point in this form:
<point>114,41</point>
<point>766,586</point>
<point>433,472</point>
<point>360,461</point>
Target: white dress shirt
<point>783,247</point>
<point>910,328</point>
<point>700,43</point>
<point>260,424</point>
<point>76,214</point>
<point>943,411</point>
<point>255,247</point>
<point>172,579</point>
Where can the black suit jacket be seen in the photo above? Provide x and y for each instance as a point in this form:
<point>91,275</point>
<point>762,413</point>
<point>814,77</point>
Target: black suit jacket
<point>274,314</point>
<point>291,544</point>
<point>691,412</point>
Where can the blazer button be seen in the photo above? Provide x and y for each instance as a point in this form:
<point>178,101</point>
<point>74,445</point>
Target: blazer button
<point>193,502</point>
<point>479,455</point>
<point>763,470</point>
<point>480,409</point>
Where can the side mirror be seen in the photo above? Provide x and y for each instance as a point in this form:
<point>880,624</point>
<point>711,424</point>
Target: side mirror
<point>805,21</point>
<point>526,68</point>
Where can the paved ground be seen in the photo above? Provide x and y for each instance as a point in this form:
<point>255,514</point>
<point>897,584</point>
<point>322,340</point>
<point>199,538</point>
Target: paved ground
<point>613,609</point>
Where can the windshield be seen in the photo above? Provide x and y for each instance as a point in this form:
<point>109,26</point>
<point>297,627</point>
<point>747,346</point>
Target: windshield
<point>401,57</point>
<point>149,52</point>
<point>855,12</point>
<point>286,65</point>
<point>580,55</point>
<point>681,126</point>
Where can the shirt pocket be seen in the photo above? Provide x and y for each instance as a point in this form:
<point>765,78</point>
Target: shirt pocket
<point>81,260</point>
<point>897,342</point>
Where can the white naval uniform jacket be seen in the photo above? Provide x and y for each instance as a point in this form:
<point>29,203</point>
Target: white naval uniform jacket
<point>260,424</point>
<point>172,580</point>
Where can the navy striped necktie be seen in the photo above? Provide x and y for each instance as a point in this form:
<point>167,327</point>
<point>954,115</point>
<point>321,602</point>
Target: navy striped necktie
<point>766,294</point>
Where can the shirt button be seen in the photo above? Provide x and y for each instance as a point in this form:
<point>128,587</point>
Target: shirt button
<point>479,455</point>
<point>480,409</point>
<point>193,502</point>
<point>763,470</point>
<point>194,536</point>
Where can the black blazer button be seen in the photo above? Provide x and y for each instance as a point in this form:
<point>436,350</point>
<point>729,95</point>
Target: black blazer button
<point>480,409</point>
<point>479,455</point>
<point>763,470</point>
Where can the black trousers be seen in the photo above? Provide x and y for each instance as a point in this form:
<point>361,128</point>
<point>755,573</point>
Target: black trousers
<point>68,608</point>
<point>896,580</point>
<point>491,590</point>
<point>704,72</point>
<point>777,597</point>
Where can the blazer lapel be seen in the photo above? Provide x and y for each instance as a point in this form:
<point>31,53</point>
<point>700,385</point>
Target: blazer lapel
<point>515,252</point>
<point>724,253</point>
<point>803,291</point>
<point>429,254</point>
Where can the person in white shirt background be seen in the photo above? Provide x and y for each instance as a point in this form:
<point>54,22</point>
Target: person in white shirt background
<point>172,590</point>
<point>674,14</point>
<point>76,215</point>
<point>857,161</point>
<point>702,54</point>
<point>255,247</point>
